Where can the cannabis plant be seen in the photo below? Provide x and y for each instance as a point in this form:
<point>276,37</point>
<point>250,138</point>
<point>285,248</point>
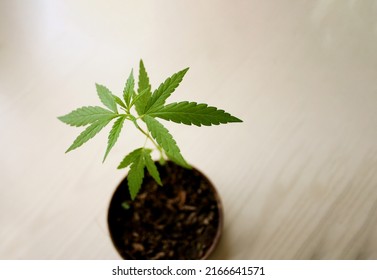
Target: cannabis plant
<point>143,106</point>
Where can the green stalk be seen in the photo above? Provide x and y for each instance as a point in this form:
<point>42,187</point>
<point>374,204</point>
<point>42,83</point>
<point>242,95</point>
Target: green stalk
<point>162,159</point>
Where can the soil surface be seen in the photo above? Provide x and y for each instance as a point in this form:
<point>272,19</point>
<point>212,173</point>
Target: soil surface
<point>177,221</point>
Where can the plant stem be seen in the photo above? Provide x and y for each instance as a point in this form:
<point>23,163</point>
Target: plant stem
<point>162,159</point>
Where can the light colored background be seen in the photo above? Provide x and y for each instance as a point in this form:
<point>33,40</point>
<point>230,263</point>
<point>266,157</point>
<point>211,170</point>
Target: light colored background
<point>298,178</point>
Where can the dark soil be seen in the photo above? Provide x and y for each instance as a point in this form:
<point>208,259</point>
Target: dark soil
<point>179,220</point>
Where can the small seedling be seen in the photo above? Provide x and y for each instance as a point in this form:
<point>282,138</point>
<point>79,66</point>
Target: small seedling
<point>143,106</point>
<point>126,205</point>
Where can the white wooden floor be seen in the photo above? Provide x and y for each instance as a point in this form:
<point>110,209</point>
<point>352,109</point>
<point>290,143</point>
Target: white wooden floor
<point>298,178</point>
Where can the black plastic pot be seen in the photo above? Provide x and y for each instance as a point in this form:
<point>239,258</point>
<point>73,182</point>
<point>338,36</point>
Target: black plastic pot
<point>182,219</point>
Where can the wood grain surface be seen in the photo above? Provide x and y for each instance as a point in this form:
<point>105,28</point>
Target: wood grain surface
<point>298,178</point>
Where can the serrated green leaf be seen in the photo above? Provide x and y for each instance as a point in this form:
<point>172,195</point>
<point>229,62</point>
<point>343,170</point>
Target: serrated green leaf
<point>119,101</point>
<point>88,133</point>
<point>136,174</point>
<point>131,157</point>
<point>151,166</point>
<point>193,113</point>
<point>135,177</point>
<point>137,97</point>
<point>114,134</point>
<point>128,91</point>
<point>160,95</point>
<point>106,97</point>
<point>86,115</point>
<point>143,78</point>
<point>145,87</point>
<point>165,140</point>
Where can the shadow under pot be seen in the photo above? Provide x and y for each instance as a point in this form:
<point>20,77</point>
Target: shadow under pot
<point>181,220</point>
